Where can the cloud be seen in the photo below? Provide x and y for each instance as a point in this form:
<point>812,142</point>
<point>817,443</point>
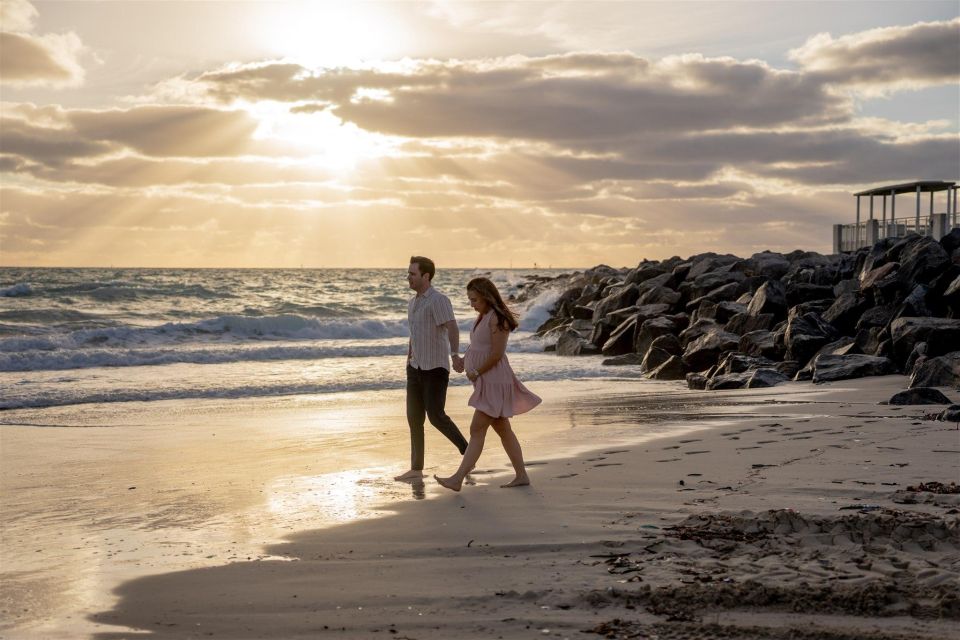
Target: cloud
<point>53,136</point>
<point>573,158</point>
<point>886,59</point>
<point>556,98</point>
<point>17,15</point>
<point>28,59</point>
<point>46,145</point>
<point>170,130</point>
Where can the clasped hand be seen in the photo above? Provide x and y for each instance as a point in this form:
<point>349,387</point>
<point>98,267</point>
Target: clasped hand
<point>457,364</point>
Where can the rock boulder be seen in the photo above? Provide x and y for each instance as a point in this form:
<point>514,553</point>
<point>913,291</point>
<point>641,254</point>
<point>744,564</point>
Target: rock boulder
<point>942,371</point>
<point>919,395</point>
<point>829,367</point>
<point>942,336</point>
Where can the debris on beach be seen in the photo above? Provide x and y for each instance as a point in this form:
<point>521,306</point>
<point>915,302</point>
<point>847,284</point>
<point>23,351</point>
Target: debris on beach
<point>874,562</point>
<point>936,487</point>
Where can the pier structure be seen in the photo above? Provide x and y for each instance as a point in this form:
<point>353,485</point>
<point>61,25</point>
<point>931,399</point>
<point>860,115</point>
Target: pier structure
<point>935,218</point>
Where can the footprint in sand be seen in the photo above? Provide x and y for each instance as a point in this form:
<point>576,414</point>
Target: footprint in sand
<point>669,460</point>
<point>567,475</point>
<point>595,459</point>
<point>536,464</point>
<point>676,446</point>
<point>610,453</point>
<point>609,464</point>
<point>688,441</point>
<point>766,441</point>
<point>745,448</point>
<point>691,453</point>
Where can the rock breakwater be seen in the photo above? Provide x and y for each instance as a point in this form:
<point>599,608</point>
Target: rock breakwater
<point>723,322</point>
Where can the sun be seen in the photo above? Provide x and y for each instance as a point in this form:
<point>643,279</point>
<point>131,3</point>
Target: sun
<point>319,138</point>
<point>327,34</point>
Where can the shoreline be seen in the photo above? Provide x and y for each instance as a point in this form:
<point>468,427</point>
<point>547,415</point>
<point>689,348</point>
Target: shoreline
<point>607,499</point>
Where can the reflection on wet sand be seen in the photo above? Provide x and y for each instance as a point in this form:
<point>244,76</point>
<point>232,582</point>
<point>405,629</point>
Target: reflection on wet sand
<point>171,486</point>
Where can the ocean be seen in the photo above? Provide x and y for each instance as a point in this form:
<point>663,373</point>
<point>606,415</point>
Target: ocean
<point>77,336</point>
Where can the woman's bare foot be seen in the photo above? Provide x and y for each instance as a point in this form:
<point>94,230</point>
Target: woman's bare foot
<point>448,483</point>
<point>519,481</point>
<point>413,474</point>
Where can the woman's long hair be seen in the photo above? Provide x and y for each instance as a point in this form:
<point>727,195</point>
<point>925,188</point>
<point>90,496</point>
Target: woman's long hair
<point>484,288</point>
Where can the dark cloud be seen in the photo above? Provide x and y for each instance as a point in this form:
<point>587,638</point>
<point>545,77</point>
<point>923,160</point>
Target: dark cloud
<point>873,162</point>
<point>11,164</point>
<point>558,98</point>
<point>170,130</point>
<point>46,145</point>
<point>134,172</point>
<point>923,53</point>
<point>816,157</point>
<point>288,82</point>
<point>29,59</point>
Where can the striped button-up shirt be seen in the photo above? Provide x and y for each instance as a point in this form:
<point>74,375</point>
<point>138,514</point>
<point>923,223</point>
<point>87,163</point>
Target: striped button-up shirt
<point>429,341</point>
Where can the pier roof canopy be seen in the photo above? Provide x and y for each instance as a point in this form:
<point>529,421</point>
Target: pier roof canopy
<point>908,187</point>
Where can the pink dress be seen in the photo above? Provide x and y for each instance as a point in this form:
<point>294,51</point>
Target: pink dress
<point>497,392</point>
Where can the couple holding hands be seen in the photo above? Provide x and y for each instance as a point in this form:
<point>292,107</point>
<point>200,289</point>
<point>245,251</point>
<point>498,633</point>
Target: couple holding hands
<point>497,393</point>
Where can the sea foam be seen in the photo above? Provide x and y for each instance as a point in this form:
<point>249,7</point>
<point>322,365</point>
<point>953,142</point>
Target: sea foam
<point>17,290</point>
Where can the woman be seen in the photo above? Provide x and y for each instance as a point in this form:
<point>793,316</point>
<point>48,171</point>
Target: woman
<point>497,394</point>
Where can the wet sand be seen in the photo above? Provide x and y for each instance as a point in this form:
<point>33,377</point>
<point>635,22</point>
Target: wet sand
<point>743,514</point>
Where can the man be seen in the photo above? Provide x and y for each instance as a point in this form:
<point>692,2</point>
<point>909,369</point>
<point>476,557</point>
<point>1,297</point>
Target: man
<point>433,335</point>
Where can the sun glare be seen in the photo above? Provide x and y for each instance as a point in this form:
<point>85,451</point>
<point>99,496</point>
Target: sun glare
<point>320,137</point>
<point>322,34</point>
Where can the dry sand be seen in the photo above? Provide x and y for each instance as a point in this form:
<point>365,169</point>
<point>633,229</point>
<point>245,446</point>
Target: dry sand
<point>744,514</point>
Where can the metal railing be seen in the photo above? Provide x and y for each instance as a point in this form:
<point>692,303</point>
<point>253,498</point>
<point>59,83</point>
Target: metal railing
<point>850,237</point>
<point>900,227</point>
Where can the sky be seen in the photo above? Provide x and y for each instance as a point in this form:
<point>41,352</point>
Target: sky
<point>561,134</point>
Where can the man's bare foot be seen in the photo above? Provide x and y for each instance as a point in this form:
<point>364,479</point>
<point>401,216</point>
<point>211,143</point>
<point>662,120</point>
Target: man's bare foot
<point>413,474</point>
<point>517,482</point>
<point>448,483</point>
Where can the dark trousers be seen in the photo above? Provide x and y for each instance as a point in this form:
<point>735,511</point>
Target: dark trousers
<point>427,397</point>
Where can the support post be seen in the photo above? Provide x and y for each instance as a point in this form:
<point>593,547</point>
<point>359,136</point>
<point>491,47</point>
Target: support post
<point>872,232</point>
<point>916,226</point>
<point>838,238</point>
<point>952,195</point>
<point>893,213</point>
<point>856,228</point>
<point>939,225</point>
<point>883,229</point>
<point>955,206</point>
